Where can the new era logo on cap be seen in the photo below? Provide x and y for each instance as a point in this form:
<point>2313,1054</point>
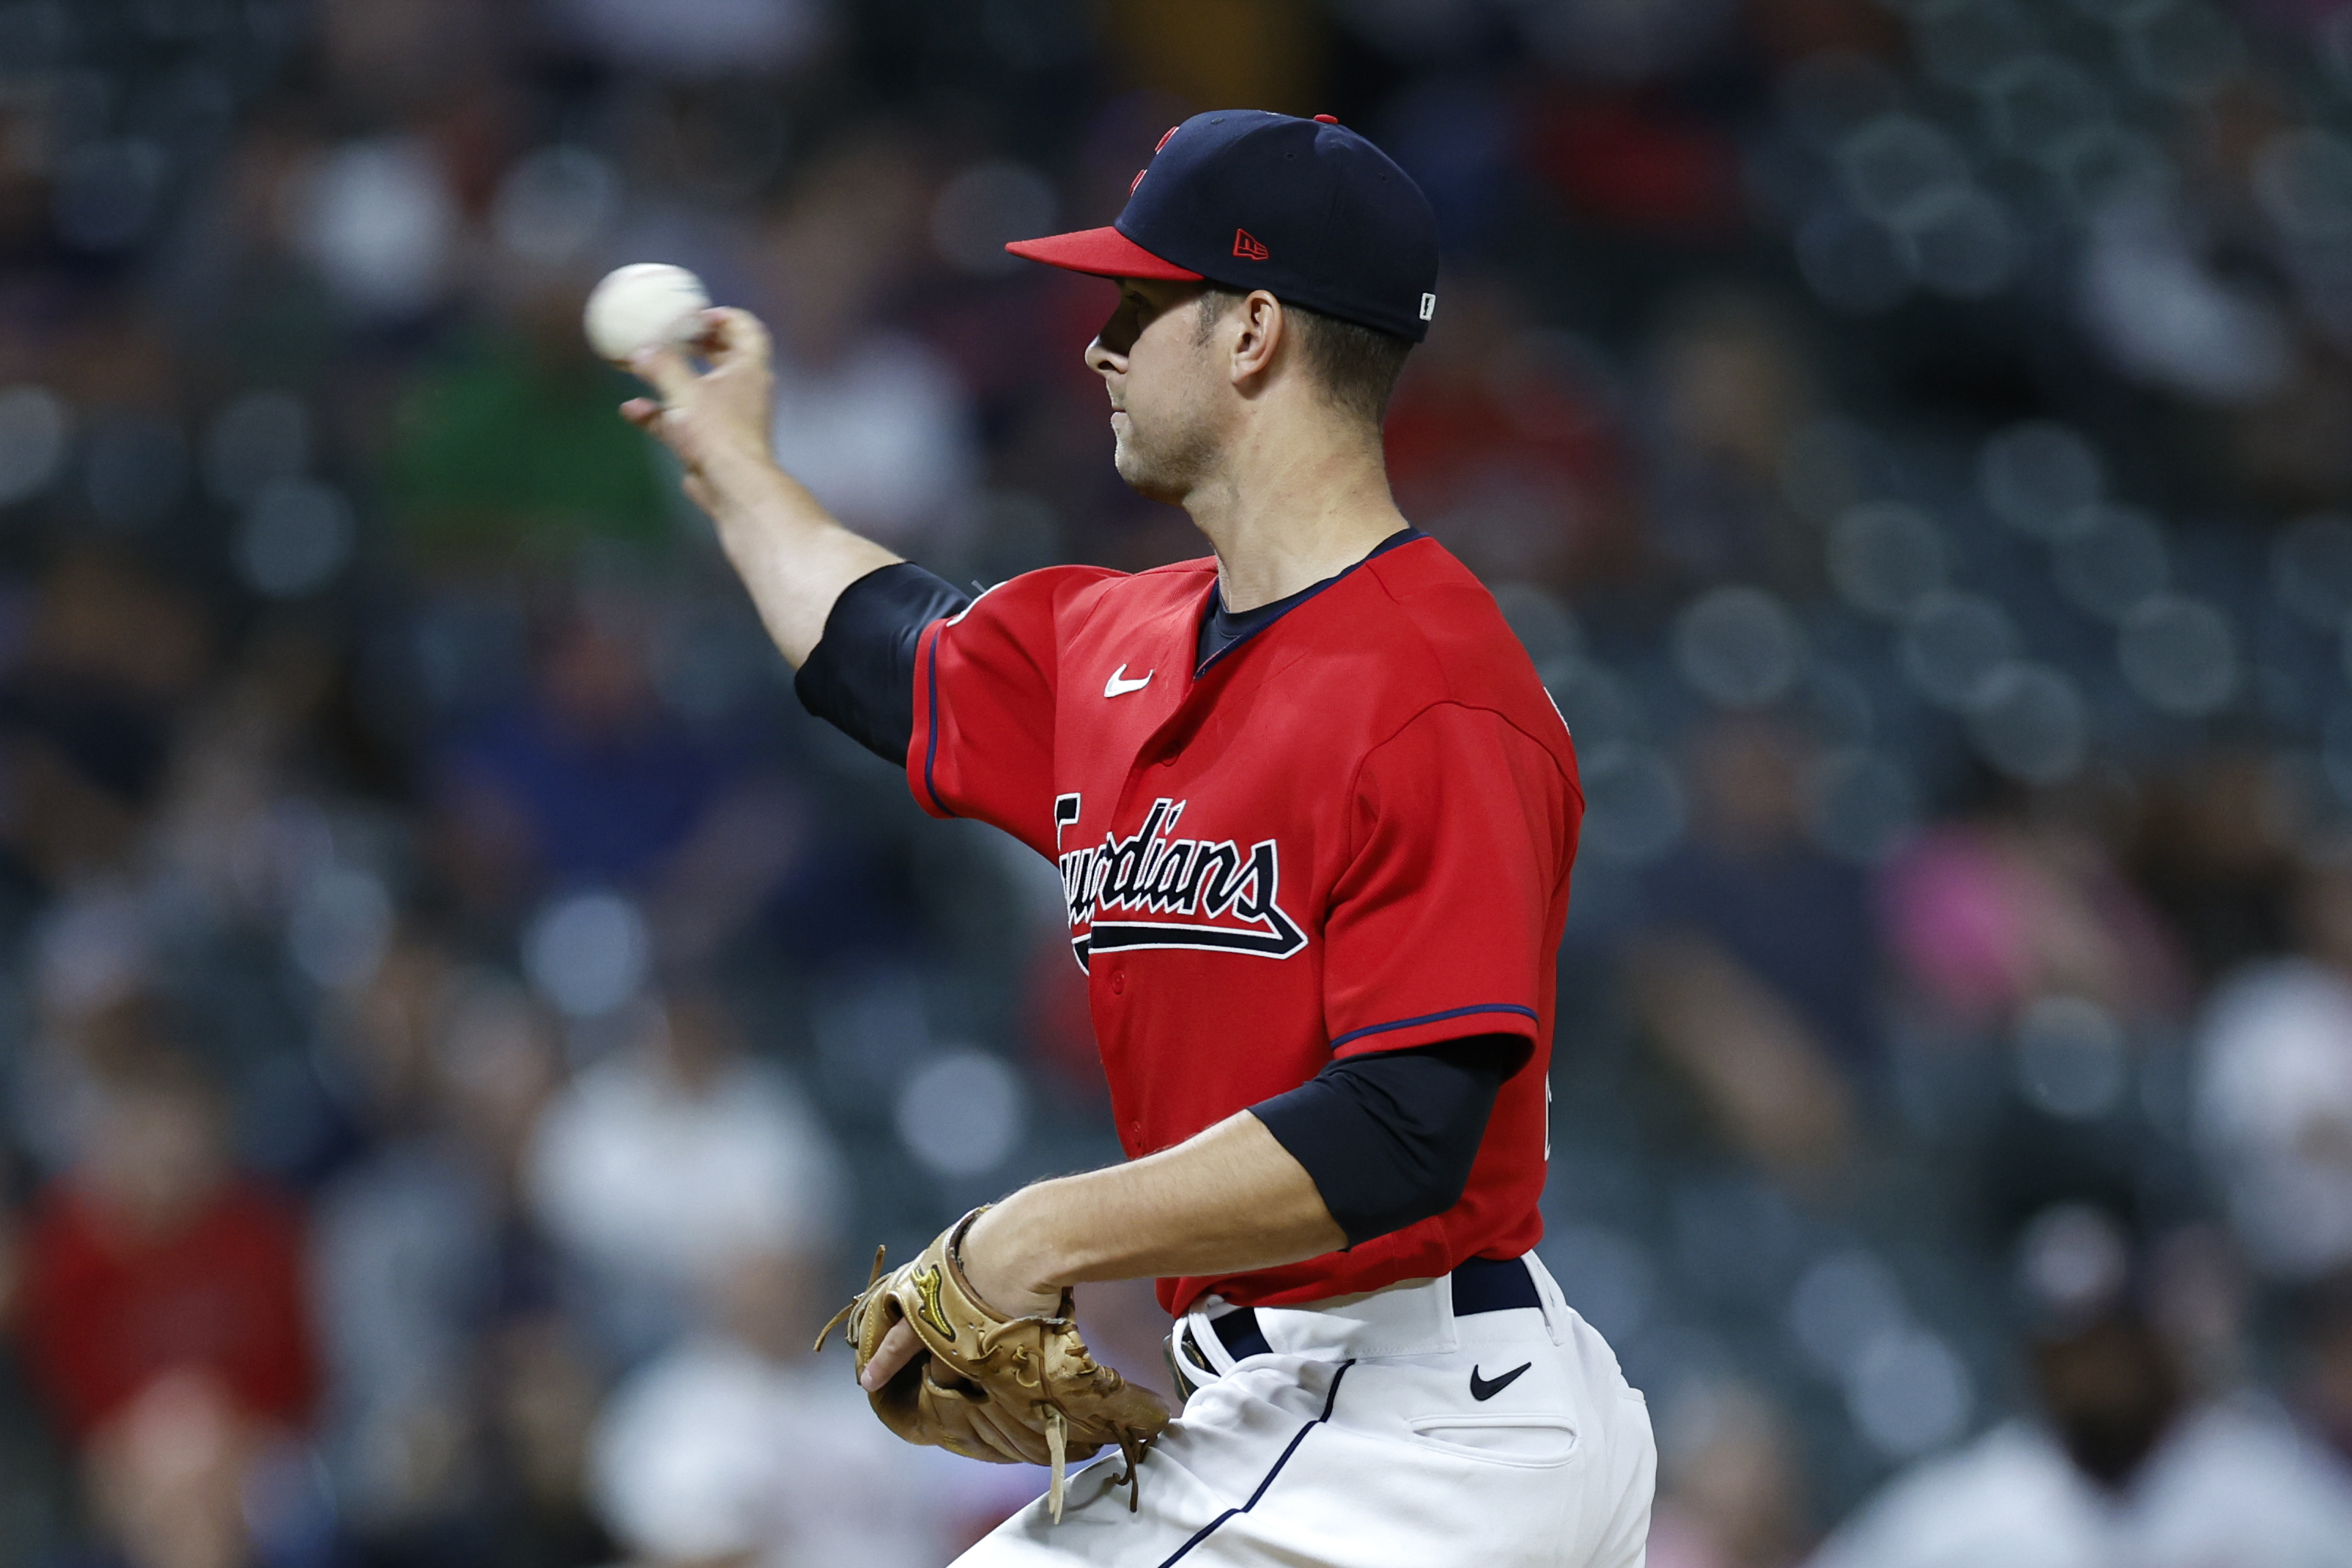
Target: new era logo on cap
<point>1247,248</point>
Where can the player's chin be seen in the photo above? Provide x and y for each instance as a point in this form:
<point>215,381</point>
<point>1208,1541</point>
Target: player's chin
<point>1145,478</point>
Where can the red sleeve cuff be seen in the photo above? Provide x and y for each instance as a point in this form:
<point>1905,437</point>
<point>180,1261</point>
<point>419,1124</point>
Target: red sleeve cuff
<point>1429,1028</point>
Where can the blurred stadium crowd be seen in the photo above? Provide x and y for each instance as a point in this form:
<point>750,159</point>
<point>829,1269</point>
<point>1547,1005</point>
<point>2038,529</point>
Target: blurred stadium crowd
<point>462,1023</point>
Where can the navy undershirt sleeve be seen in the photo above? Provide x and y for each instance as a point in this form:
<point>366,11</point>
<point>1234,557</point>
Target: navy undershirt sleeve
<point>1389,1139</point>
<point>860,676</point>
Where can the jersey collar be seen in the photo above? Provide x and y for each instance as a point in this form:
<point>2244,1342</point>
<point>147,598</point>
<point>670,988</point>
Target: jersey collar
<point>1221,631</point>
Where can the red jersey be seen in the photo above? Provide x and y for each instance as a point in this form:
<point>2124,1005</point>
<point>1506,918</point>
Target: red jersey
<point>1348,833</point>
<point>104,1314</point>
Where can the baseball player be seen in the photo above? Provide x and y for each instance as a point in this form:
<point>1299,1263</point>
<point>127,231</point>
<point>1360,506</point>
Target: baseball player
<point>1314,814</point>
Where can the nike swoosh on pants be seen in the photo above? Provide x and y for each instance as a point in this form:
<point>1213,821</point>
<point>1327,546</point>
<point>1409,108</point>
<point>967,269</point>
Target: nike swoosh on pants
<point>1481,1389</point>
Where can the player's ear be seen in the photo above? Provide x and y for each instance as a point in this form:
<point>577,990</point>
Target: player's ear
<point>1261,320</point>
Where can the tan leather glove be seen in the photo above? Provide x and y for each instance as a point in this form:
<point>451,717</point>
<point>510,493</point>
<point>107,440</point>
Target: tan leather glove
<point>1006,1390</point>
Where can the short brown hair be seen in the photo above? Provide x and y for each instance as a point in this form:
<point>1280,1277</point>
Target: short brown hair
<point>1356,366</point>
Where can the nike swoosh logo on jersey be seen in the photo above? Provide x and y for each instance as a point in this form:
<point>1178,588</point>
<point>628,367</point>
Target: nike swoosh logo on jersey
<point>1481,1390</point>
<point>1115,686</point>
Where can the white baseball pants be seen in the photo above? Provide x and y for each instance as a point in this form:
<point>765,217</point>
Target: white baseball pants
<point>1362,1441</point>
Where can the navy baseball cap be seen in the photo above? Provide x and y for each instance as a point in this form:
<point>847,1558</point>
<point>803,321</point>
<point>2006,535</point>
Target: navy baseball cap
<point>1305,209</point>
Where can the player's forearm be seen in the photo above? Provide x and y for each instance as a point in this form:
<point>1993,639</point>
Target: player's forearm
<point>792,556</point>
<point>1226,1201</point>
<point>790,553</point>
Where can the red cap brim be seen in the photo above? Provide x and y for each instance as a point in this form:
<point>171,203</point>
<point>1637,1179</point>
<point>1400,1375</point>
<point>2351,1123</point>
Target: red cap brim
<point>1105,252</point>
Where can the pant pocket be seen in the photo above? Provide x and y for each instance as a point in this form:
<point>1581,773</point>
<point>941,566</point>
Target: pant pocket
<point>1535,1442</point>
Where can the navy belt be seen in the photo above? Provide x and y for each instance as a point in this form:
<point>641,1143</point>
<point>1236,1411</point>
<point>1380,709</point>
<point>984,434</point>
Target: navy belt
<point>1480,1284</point>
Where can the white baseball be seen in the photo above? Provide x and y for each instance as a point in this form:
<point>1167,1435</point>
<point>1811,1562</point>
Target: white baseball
<point>644,303</point>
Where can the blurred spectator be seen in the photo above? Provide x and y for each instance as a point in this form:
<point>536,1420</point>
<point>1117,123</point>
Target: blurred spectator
<point>2320,1387</point>
<point>543,1391</point>
<point>2128,1461</point>
<point>163,1314</point>
<point>1728,1493</point>
<point>248,755</point>
<point>173,1476</point>
<point>2121,1474</point>
<point>152,1253</point>
<point>505,443</point>
<point>590,780</point>
<point>735,1447</point>
<point>879,435</point>
<point>1988,917</point>
<point>407,1268</point>
<point>2275,1084</point>
<point>1731,383</point>
<point>2212,847</point>
<point>873,421</point>
<point>1754,971</point>
<point>460,1394</point>
<point>663,1165</point>
<point>86,707</point>
<point>407,1274</point>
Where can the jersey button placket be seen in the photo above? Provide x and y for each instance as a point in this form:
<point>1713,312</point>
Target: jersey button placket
<point>1119,981</point>
<point>1160,749</point>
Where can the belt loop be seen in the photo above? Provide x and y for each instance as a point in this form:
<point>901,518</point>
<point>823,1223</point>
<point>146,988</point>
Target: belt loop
<point>1210,1343</point>
<point>1172,1349</point>
<point>1551,1298</point>
<point>1192,1369</point>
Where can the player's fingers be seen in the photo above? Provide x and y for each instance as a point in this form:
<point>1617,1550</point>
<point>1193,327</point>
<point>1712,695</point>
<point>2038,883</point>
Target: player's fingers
<point>665,369</point>
<point>641,412</point>
<point>896,1349</point>
<point>732,338</point>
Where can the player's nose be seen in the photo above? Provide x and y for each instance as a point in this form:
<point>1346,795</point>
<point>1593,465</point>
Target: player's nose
<point>1103,359</point>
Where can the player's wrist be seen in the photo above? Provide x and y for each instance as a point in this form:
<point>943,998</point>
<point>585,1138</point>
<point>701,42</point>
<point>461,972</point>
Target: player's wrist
<point>1002,1269</point>
<point>744,477</point>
